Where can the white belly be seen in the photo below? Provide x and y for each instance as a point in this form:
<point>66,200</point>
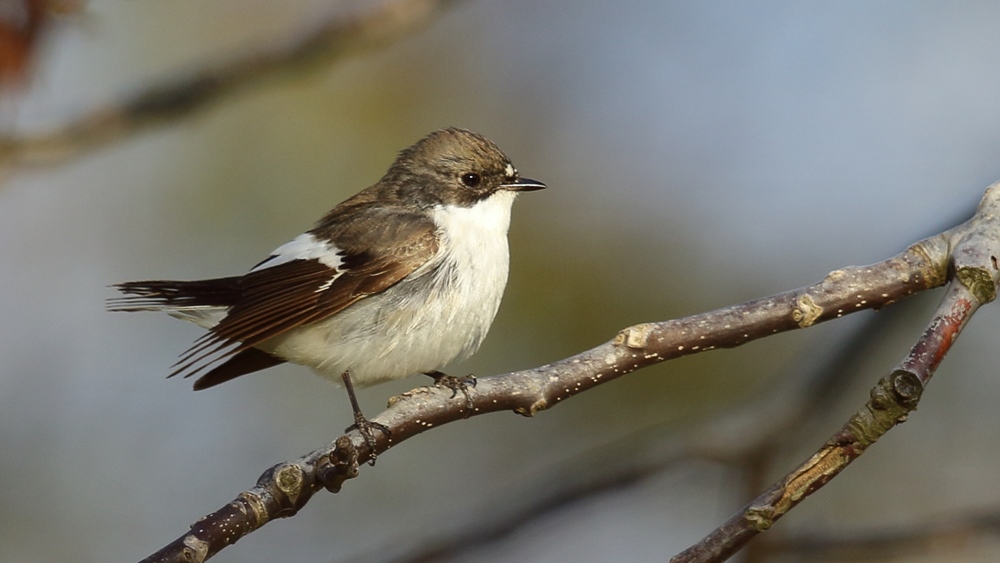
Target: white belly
<point>439,314</point>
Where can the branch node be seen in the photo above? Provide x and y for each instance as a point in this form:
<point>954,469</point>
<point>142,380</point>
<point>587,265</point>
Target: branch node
<point>892,399</point>
<point>835,276</point>
<point>255,505</point>
<point>907,388</point>
<point>339,466</point>
<point>408,395</point>
<point>760,516</point>
<point>635,336</point>
<point>806,310</point>
<point>289,481</point>
<point>979,282</point>
<point>932,276</point>
<point>195,549</point>
<point>539,405</point>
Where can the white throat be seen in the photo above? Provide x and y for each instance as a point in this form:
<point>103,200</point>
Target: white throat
<point>474,247</point>
<point>489,217</point>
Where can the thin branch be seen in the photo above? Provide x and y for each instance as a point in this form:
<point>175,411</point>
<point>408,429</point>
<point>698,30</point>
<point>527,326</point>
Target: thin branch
<point>891,401</point>
<point>974,262</point>
<point>188,94</point>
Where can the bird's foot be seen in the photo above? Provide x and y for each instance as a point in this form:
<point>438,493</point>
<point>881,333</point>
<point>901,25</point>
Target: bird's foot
<point>367,430</point>
<point>366,427</point>
<point>456,384</point>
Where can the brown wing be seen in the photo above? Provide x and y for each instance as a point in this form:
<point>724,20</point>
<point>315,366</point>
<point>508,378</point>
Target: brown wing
<point>276,299</point>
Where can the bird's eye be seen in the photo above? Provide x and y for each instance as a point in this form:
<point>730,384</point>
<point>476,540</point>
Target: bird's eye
<point>471,179</point>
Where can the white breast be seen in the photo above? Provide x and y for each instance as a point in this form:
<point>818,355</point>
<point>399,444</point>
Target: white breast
<point>437,314</point>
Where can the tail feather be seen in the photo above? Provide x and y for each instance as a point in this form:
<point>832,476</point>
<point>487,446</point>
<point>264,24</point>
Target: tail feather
<point>203,302</point>
<point>247,361</point>
<point>161,295</point>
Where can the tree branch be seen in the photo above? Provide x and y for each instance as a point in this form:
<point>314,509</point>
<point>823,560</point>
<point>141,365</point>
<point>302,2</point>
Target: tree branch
<point>970,248</point>
<point>974,261</point>
<point>185,95</point>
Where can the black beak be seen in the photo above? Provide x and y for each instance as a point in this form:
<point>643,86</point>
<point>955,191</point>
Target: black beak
<point>524,185</point>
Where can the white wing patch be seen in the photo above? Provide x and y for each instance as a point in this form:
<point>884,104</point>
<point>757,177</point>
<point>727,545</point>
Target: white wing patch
<point>303,247</point>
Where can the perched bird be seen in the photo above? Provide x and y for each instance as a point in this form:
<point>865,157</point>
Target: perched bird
<point>402,278</point>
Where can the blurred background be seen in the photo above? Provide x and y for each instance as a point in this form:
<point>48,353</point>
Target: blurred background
<point>698,154</point>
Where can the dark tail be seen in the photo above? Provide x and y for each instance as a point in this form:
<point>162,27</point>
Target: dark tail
<point>175,295</point>
<point>183,299</point>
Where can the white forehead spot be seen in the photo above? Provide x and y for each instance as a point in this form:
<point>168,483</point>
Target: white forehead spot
<point>510,170</point>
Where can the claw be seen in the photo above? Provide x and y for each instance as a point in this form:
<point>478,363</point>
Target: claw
<point>367,430</point>
<point>361,424</point>
<point>456,384</point>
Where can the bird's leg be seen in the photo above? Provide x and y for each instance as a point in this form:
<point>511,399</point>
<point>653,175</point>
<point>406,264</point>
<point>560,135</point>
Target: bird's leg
<point>456,384</point>
<point>362,424</point>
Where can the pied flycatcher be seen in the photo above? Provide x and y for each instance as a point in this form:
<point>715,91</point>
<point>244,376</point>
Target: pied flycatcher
<point>401,278</point>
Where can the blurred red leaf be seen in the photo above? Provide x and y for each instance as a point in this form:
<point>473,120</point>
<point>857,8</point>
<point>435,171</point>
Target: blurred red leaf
<point>21,23</point>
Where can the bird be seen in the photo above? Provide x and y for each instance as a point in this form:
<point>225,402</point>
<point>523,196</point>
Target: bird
<point>402,278</point>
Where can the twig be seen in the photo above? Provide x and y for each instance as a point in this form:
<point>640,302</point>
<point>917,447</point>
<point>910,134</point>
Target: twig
<point>974,255</point>
<point>185,95</point>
